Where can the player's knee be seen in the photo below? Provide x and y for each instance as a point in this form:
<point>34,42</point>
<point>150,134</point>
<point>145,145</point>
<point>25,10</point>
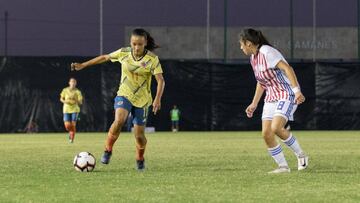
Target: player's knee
<point>139,134</point>
<point>140,140</point>
<point>119,122</point>
<point>276,129</point>
<point>267,133</point>
<point>68,126</point>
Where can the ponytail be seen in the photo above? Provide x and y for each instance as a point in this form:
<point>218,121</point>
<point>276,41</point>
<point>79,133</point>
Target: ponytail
<point>151,45</point>
<point>254,36</point>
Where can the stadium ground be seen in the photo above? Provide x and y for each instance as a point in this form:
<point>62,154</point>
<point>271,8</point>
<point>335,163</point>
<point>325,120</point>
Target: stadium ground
<point>181,167</point>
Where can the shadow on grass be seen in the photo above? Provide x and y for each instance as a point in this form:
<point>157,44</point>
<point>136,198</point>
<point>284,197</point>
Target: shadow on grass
<point>329,170</point>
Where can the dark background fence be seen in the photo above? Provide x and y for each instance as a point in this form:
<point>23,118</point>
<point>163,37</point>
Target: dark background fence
<point>208,29</point>
<point>210,95</point>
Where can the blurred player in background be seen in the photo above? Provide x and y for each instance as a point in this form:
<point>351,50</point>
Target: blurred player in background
<point>138,65</point>
<point>72,99</point>
<point>277,78</point>
<point>175,118</point>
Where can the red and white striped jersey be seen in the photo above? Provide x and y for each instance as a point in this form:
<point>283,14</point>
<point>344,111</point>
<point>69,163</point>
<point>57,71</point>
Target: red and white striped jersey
<point>271,78</point>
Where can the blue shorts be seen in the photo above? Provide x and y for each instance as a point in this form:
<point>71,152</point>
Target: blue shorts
<point>139,114</point>
<point>69,117</point>
<point>175,122</point>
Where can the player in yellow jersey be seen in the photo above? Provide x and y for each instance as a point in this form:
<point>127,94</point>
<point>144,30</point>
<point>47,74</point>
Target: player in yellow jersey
<point>138,65</point>
<point>72,99</point>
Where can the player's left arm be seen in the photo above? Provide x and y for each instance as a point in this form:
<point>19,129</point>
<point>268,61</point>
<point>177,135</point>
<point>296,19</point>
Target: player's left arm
<point>79,98</point>
<point>64,99</point>
<point>159,92</point>
<point>290,74</point>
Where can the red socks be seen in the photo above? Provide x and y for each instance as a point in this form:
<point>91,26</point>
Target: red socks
<point>140,151</point>
<point>71,129</point>
<point>110,140</point>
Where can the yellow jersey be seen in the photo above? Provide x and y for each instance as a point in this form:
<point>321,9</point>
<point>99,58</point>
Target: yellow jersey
<point>73,96</point>
<point>136,75</point>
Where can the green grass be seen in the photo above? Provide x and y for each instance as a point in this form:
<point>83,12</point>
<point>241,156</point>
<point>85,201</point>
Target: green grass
<point>181,167</point>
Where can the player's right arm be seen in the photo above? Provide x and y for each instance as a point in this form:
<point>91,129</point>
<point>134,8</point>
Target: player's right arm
<point>62,97</point>
<point>258,94</point>
<point>97,60</point>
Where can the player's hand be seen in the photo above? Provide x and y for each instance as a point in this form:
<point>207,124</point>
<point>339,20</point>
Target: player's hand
<point>299,98</point>
<point>156,105</point>
<point>70,102</point>
<point>77,66</point>
<point>76,100</point>
<point>250,110</point>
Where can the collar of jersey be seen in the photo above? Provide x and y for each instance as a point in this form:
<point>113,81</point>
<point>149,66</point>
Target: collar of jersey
<point>132,55</point>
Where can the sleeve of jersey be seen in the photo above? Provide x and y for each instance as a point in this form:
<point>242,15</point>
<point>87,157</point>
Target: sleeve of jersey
<point>273,57</point>
<point>114,56</point>
<point>80,97</point>
<point>156,67</point>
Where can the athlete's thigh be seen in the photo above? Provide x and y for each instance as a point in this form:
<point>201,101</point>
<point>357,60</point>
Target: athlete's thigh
<point>268,111</point>
<point>122,108</point>
<point>139,130</point>
<point>67,117</point>
<point>74,117</point>
<point>121,114</point>
<point>278,122</point>
<point>266,127</point>
<point>140,115</point>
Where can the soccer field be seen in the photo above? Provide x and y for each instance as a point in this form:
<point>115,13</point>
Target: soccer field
<point>181,167</point>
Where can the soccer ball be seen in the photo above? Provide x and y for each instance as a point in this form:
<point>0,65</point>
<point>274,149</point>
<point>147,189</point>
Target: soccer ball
<point>84,162</point>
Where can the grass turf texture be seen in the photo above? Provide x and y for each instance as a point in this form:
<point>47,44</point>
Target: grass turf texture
<point>181,167</point>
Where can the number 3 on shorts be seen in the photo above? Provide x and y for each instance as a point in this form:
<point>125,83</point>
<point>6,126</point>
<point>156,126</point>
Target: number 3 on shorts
<point>280,105</point>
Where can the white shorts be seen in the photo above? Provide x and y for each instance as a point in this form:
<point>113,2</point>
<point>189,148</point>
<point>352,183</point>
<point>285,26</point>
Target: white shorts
<point>283,108</point>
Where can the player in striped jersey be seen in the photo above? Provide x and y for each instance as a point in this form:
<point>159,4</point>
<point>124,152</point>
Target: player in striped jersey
<point>277,78</point>
<point>138,65</point>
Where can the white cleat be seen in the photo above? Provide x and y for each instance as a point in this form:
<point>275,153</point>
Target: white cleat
<point>281,169</point>
<point>303,162</point>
